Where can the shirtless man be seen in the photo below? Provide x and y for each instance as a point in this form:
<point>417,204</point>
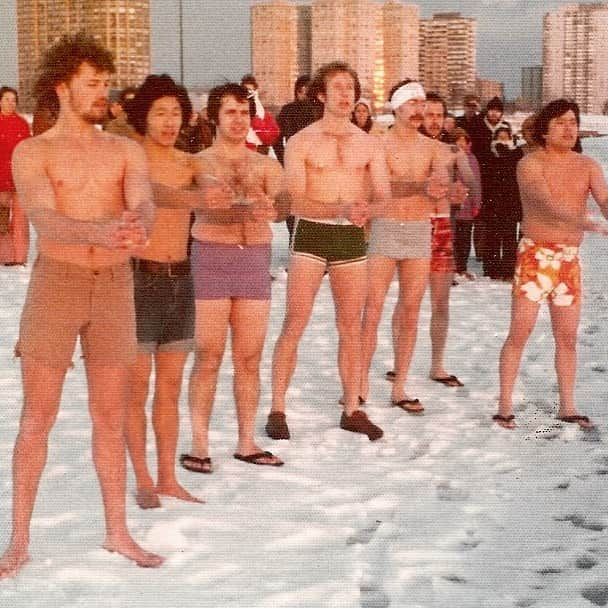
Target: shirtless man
<point>231,269</point>
<point>328,167</point>
<point>401,238</point>
<point>442,255</point>
<point>88,196</point>
<point>554,182</point>
<point>164,293</point>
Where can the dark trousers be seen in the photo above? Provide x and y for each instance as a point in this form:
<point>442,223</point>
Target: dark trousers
<point>500,248</point>
<point>462,244</point>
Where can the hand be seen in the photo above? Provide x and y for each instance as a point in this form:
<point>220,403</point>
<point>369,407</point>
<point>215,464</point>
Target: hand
<point>357,213</point>
<point>457,193</point>
<point>263,206</point>
<point>436,188</point>
<point>217,194</point>
<point>588,224</point>
<point>129,232</point>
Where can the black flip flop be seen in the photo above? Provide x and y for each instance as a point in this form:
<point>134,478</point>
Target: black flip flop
<point>405,405</point>
<point>448,381</point>
<point>257,458</point>
<point>194,464</point>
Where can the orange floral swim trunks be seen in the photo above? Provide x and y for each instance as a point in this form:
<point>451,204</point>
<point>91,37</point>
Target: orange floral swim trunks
<point>548,271</point>
<point>442,245</point>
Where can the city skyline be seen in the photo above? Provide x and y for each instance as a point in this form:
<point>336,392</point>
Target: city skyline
<point>509,37</point>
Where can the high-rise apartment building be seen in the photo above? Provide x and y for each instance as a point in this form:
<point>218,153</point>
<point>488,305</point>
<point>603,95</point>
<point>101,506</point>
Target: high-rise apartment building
<point>447,55</point>
<point>532,86</point>
<point>575,55</point>
<point>274,49</point>
<point>123,26</point>
<point>401,33</point>
<point>347,30</point>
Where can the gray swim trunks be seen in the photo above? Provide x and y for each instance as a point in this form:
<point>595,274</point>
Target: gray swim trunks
<point>400,240</point>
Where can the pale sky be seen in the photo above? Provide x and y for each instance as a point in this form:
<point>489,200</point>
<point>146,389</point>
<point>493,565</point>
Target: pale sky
<point>217,37</point>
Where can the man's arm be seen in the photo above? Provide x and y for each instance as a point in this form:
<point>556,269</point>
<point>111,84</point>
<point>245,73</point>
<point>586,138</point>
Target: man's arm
<point>381,183</point>
<point>275,188</point>
<point>37,197</point>
<point>137,187</point>
<point>598,188</point>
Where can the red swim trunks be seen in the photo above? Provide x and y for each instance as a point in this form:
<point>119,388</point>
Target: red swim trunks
<point>548,271</point>
<point>442,245</point>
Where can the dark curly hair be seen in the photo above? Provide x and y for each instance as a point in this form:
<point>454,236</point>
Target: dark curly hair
<point>553,109</point>
<point>153,88</point>
<point>64,59</point>
<point>318,84</point>
<point>230,89</point>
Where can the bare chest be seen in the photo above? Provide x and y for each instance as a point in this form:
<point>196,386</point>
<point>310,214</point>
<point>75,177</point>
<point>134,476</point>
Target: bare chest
<point>408,163</point>
<point>336,153</point>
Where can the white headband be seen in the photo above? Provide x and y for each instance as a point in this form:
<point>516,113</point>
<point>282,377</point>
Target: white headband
<point>411,90</point>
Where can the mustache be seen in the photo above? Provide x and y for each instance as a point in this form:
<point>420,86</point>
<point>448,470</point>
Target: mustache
<point>416,117</point>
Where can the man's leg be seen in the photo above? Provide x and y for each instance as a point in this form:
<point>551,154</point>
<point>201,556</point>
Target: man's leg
<point>249,322</point>
<point>135,431</point>
<point>380,271</point>
<point>108,399</point>
<point>41,396</point>
<point>348,285</point>
<point>565,320</point>
<point>169,368</point>
<point>413,279</point>
<point>303,282</point>
<point>523,318</point>
<point>212,318</point>
<point>441,283</point>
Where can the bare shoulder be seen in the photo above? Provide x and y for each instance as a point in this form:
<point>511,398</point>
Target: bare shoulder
<point>302,137</point>
<point>33,149</point>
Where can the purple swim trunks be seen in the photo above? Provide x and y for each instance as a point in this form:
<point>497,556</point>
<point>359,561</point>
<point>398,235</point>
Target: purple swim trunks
<point>230,271</point>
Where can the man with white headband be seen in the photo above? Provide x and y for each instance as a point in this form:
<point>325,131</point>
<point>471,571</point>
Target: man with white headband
<point>401,238</point>
<point>330,166</point>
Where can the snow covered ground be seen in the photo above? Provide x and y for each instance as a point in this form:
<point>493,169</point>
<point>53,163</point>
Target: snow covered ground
<point>447,510</point>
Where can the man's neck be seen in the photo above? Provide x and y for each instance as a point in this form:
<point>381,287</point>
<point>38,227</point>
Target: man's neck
<point>557,152</point>
<point>405,131</point>
<point>229,148</point>
<point>335,124</point>
<point>73,125</point>
<point>155,151</point>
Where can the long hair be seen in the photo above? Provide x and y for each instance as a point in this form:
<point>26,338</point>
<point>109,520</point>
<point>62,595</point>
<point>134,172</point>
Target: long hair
<point>64,59</point>
<point>153,88</point>
<point>318,84</point>
<point>553,109</point>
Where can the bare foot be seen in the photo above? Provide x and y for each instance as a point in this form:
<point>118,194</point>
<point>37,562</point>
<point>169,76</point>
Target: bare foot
<point>12,561</point>
<point>147,498</point>
<point>582,421</point>
<point>128,548</point>
<point>176,491</point>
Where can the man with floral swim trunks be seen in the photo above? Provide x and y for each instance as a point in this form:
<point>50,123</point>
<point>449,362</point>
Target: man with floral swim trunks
<point>554,183</point>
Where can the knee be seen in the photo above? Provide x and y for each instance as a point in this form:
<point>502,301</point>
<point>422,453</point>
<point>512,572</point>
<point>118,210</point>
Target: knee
<point>349,326</point>
<point>37,427</point>
<point>168,386</point>
<point>247,364</point>
<point>294,326</point>
<point>207,360</point>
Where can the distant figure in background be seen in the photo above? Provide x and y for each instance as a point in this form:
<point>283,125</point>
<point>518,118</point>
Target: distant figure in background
<point>190,138</point>
<point>294,116</point>
<point>119,125</point>
<point>465,216</point>
<point>501,207</point>
<point>471,110</point>
<point>362,115</point>
<point>264,130</point>
<point>555,183</point>
<point>449,124</point>
<point>14,226</point>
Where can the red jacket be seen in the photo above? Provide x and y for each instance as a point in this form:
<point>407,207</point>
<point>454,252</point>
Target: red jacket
<point>13,129</point>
